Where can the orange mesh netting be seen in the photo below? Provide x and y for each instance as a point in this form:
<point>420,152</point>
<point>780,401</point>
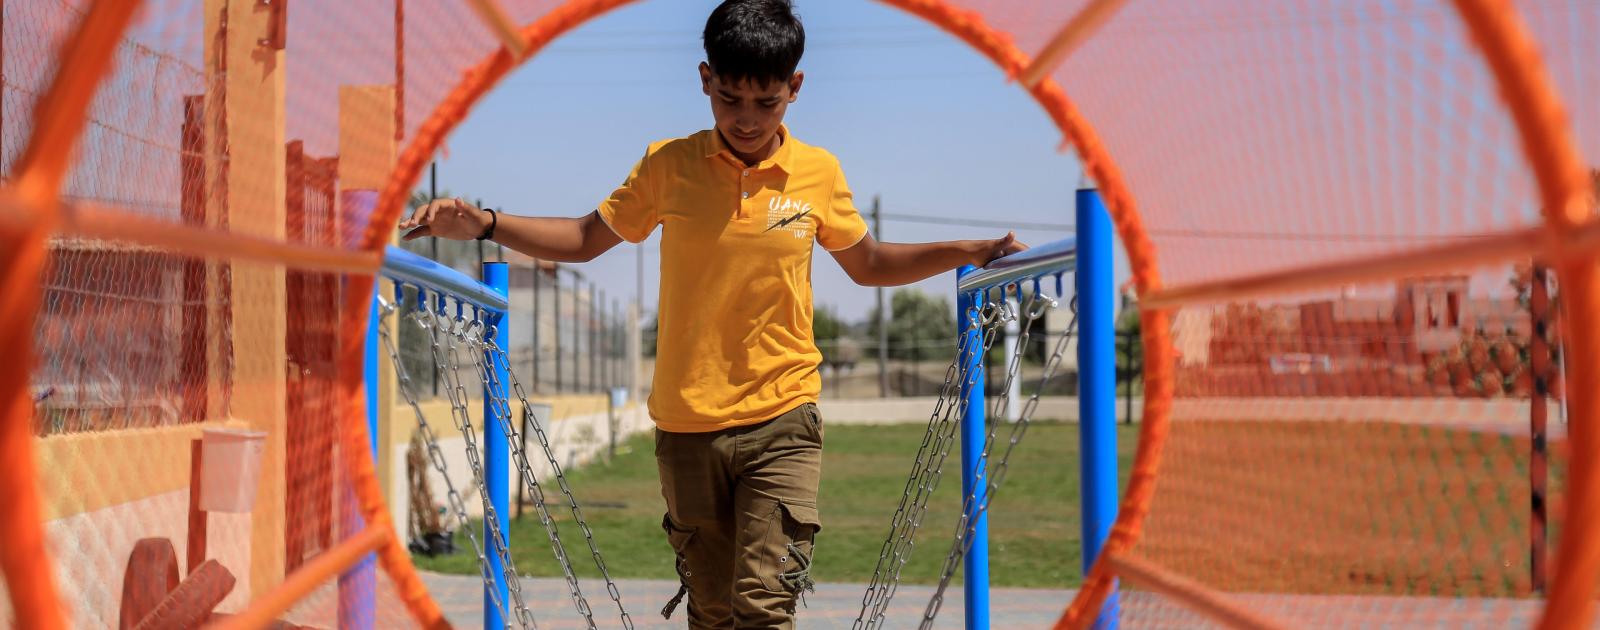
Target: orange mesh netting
<point>1361,233</point>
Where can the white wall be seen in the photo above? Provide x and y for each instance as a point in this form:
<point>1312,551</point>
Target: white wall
<point>575,440</point>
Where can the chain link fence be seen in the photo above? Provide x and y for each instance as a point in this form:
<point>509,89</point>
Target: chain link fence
<point>567,335</point>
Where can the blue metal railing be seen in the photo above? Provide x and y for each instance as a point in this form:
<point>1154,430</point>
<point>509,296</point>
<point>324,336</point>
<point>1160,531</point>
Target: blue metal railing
<point>1088,256</point>
<point>407,268</point>
<point>490,299</point>
<point>1045,260</point>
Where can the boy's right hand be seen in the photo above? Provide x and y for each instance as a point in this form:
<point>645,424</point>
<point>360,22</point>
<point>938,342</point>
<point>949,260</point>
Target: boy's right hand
<point>446,218</point>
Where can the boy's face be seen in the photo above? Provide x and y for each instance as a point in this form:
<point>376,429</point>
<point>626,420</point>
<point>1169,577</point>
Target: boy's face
<point>748,113</point>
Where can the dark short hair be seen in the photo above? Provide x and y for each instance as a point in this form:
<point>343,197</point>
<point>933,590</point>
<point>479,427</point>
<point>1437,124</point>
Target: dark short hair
<point>760,40</point>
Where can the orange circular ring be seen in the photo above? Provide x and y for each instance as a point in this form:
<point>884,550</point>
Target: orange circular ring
<point>1547,143</point>
<point>998,47</point>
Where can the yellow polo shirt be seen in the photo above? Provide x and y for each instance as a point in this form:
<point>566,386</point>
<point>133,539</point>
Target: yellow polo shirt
<point>734,343</point>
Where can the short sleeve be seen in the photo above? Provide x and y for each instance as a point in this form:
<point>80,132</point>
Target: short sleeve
<point>841,226</point>
<point>631,209</point>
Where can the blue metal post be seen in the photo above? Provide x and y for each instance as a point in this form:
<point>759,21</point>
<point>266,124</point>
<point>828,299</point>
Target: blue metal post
<point>1097,396</point>
<point>496,459</point>
<point>358,585</point>
<point>973,431</point>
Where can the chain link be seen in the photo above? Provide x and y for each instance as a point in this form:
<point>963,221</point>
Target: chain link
<point>968,520</point>
<point>878,588</point>
<point>457,394</point>
<point>458,506</point>
<point>501,410</point>
<point>984,324</point>
<point>927,468</point>
<point>488,357</point>
<point>561,479</point>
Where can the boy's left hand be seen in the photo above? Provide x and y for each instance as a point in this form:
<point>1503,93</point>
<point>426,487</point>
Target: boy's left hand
<point>989,250</point>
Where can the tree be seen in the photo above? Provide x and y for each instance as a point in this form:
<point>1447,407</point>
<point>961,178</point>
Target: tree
<point>1130,345</point>
<point>825,325</point>
<point>648,337</point>
<point>833,338</point>
<point>420,197</point>
<point>1513,355</point>
<point>921,327</point>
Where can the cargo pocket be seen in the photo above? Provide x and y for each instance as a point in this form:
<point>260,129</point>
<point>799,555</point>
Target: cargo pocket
<point>679,539</point>
<point>791,540</point>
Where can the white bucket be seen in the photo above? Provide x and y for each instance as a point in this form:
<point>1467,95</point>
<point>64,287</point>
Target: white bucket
<point>230,469</point>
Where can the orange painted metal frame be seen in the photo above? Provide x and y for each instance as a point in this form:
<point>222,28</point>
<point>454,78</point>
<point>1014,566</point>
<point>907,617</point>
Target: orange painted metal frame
<point>1498,22</point>
<point>1494,25</point>
<point>327,564</point>
<point>103,222</point>
<point>1191,594</point>
<point>1564,190</point>
<point>1077,31</point>
<point>58,122</point>
<point>970,28</point>
<point>496,19</point>
<point>1536,242</point>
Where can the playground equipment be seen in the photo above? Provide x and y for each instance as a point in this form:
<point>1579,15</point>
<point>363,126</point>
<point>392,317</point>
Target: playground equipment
<point>985,305</point>
<point>478,327</point>
<point>1347,413</point>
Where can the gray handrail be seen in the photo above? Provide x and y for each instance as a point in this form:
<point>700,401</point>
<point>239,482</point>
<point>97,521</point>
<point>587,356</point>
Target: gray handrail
<point>1048,259</point>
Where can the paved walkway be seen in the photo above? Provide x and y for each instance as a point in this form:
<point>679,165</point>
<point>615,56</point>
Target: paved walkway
<point>833,606</point>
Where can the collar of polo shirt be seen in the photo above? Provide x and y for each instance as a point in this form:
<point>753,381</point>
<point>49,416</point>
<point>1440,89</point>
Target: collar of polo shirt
<point>781,159</point>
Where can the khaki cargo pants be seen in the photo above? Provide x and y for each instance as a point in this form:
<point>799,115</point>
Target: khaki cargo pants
<point>742,517</point>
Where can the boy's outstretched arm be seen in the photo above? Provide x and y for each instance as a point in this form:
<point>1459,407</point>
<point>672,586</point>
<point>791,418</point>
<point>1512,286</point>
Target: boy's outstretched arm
<point>875,264</point>
<point>558,239</point>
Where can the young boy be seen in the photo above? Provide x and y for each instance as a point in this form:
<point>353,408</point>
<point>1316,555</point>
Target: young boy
<point>738,438</point>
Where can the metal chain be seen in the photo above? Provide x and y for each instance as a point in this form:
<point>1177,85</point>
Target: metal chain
<point>1031,311</point>
<point>450,371</point>
<point>997,317</point>
<point>927,468</point>
<point>458,506</point>
<point>501,410</point>
<point>968,520</point>
<point>993,317</point>
<point>561,480</point>
<point>878,588</point>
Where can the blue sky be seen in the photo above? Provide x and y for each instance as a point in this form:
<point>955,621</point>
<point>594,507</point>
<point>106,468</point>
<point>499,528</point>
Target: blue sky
<point>913,115</point>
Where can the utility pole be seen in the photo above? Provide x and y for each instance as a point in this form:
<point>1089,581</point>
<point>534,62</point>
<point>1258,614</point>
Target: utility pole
<point>1538,458</point>
<point>433,195</point>
<point>636,329</point>
<point>433,254</point>
<point>400,72</point>
<point>883,319</point>
<point>1125,338</point>
<point>481,259</point>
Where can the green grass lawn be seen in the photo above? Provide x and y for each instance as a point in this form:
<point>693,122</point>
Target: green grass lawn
<point>1034,528</point>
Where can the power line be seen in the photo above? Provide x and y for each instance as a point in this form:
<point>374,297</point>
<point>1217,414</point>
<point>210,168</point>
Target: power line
<point>873,43</point>
<point>1001,224</point>
<point>1235,235</point>
<point>1327,237</point>
<point>819,80</point>
<point>871,29</point>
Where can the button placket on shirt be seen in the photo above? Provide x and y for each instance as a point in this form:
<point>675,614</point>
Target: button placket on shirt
<point>744,189</point>
<point>745,186</point>
<point>748,187</point>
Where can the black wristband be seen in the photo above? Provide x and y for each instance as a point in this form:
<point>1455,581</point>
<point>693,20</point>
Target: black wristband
<point>494,219</point>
